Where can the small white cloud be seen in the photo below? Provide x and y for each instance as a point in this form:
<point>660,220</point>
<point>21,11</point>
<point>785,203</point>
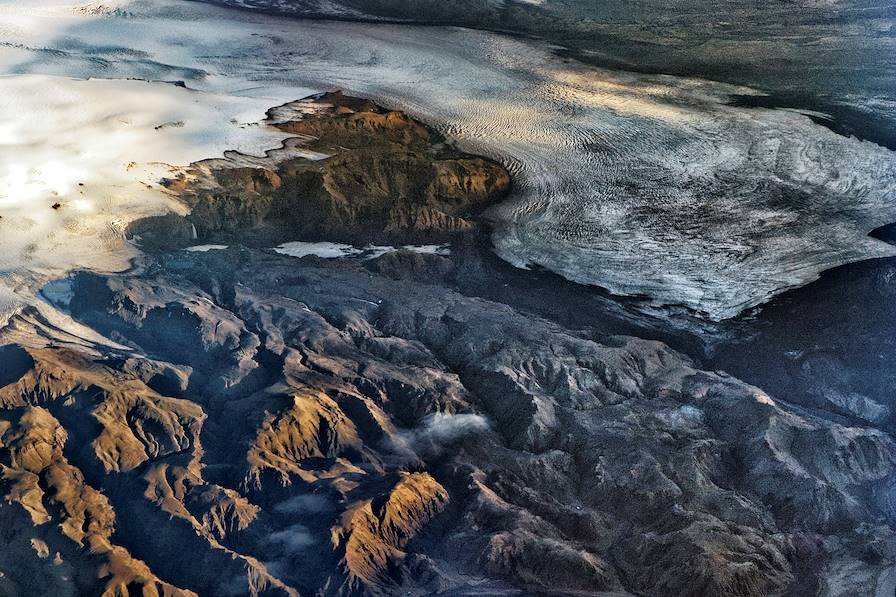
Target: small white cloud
<point>293,539</point>
<point>441,429</point>
<point>683,416</point>
<point>303,504</point>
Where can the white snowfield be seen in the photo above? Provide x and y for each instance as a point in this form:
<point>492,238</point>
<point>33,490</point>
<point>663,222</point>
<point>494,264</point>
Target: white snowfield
<point>645,185</point>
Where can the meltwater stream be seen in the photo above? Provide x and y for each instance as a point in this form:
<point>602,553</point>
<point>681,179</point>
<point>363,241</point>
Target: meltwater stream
<point>645,185</point>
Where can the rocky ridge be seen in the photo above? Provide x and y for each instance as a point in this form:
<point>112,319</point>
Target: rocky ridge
<point>355,172</point>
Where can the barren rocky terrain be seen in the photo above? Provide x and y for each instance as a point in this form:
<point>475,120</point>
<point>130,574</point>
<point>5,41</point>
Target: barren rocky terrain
<point>240,422</point>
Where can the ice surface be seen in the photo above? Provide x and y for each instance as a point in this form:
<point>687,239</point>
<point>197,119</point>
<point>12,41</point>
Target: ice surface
<point>642,184</point>
<point>95,150</point>
<point>320,249</point>
<point>328,250</point>
<point>205,248</point>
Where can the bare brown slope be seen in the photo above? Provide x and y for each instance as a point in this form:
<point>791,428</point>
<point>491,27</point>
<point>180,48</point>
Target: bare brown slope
<point>382,177</point>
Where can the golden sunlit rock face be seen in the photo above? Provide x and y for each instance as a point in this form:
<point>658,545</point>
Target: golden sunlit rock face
<point>386,178</point>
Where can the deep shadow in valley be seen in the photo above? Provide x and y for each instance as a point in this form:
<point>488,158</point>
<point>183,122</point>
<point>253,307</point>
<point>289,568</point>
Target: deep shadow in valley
<point>830,345</point>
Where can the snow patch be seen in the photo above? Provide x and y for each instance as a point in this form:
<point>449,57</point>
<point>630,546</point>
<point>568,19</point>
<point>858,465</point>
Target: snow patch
<point>330,250</point>
<point>205,248</point>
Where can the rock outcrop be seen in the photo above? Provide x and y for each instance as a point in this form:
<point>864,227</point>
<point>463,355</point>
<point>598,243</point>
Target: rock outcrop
<point>364,174</point>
